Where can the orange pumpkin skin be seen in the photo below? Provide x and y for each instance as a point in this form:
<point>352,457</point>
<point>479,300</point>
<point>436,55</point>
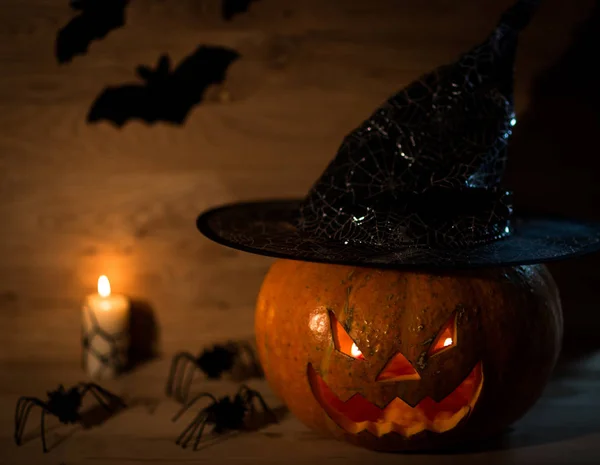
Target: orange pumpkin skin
<point>507,322</point>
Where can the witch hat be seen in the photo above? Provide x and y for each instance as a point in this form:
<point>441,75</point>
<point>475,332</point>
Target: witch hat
<point>418,183</point>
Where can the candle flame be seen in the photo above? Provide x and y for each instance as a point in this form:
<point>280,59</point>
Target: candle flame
<point>103,286</point>
<point>448,342</point>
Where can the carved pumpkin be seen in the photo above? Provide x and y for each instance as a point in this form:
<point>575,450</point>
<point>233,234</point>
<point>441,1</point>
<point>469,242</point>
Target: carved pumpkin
<point>398,360</point>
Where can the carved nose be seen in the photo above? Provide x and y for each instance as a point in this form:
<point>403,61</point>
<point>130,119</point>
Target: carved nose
<point>398,369</point>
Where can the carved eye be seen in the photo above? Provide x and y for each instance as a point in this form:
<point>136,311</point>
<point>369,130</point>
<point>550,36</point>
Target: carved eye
<point>343,342</point>
<point>445,339</point>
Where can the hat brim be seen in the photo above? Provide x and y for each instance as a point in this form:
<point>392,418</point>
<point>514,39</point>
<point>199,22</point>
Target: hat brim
<point>268,228</point>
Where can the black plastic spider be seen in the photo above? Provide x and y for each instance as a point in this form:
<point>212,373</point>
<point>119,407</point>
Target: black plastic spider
<point>213,362</point>
<point>63,404</point>
<point>225,414</point>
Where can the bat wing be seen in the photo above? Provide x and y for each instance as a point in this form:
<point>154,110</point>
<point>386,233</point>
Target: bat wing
<point>75,38</point>
<point>72,40</point>
<point>187,84</point>
<point>218,66</point>
<point>207,65</point>
<point>118,105</point>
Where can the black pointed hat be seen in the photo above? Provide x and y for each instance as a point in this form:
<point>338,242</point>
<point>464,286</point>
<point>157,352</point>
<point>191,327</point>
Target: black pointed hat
<point>419,182</point>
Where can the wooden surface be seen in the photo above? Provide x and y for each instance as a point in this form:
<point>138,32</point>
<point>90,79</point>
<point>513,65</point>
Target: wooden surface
<point>564,427</point>
<point>79,200</point>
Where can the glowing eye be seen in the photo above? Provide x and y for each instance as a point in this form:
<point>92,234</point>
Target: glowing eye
<point>342,340</point>
<point>355,351</point>
<point>446,337</point>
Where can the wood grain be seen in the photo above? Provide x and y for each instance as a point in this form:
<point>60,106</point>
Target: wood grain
<point>562,428</point>
<point>79,200</point>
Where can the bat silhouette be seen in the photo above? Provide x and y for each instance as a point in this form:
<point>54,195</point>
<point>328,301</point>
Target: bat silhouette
<point>165,95</point>
<point>230,8</point>
<point>95,20</point>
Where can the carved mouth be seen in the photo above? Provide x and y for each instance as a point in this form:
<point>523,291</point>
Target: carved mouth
<point>358,414</point>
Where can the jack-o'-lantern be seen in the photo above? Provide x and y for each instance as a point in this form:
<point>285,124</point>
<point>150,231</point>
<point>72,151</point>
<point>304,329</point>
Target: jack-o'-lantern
<point>410,309</point>
<point>398,360</point>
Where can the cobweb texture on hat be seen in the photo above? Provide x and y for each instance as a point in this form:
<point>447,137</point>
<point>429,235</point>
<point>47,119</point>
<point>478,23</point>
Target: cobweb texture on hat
<point>267,228</point>
<point>426,151</point>
<point>418,183</point>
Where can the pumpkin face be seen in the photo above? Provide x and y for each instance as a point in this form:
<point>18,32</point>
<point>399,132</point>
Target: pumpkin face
<point>408,401</point>
<point>397,360</point>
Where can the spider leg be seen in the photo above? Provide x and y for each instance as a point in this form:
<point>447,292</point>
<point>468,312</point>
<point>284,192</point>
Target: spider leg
<point>244,347</point>
<point>184,388</point>
<point>23,408</point>
<point>187,434</point>
<point>256,366</point>
<point>192,402</point>
<point>99,391</point>
<point>43,427</point>
<point>246,358</point>
<point>179,374</point>
<point>199,435</point>
<point>172,370</point>
<point>244,391</point>
<point>251,394</point>
<point>21,421</point>
<point>88,388</point>
<point>24,404</point>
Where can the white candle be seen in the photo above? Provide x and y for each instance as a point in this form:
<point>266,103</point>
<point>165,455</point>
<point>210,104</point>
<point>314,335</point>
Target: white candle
<point>105,328</point>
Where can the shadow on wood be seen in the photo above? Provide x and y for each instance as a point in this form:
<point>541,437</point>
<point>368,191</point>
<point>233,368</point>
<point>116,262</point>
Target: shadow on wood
<point>143,335</point>
<point>166,95</point>
<point>96,19</point>
<point>261,419</point>
<point>99,414</point>
<point>149,404</point>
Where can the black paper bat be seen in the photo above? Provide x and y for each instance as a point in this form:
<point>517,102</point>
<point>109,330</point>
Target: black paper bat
<point>95,20</point>
<point>164,96</point>
<point>230,8</point>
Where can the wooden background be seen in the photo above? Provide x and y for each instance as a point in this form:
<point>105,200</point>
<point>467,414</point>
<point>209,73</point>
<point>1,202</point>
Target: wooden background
<point>79,200</point>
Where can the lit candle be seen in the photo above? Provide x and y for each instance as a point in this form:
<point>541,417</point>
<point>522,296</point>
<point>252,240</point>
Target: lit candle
<point>105,332</point>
